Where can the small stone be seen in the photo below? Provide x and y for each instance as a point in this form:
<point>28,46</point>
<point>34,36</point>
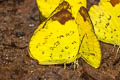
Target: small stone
<point>31,25</point>
<point>20,34</point>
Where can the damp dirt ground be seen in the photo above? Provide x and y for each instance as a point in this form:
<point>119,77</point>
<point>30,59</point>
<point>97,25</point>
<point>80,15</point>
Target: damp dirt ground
<point>18,20</point>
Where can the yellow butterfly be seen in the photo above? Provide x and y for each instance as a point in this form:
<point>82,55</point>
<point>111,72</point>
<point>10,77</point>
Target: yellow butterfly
<point>46,7</point>
<point>106,20</point>
<point>61,39</point>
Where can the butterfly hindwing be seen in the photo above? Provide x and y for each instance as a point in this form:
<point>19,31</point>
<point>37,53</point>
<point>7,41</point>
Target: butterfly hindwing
<point>90,48</point>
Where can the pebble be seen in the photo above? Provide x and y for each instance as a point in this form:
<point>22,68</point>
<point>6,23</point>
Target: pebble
<point>31,25</point>
<point>20,34</point>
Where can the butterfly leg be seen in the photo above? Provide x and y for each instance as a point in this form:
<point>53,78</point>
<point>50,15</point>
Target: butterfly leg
<point>113,48</point>
<point>117,51</point>
<point>76,64</point>
<point>64,65</point>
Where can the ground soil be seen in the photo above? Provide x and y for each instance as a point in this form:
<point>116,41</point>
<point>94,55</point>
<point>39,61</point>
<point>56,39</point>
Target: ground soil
<point>18,20</point>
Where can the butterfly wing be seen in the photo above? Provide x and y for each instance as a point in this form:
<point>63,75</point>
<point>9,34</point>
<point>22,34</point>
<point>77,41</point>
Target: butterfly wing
<point>57,42</point>
<point>106,20</point>
<point>90,48</point>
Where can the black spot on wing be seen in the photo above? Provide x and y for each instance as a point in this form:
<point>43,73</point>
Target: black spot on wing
<point>74,42</point>
<point>68,57</point>
<point>109,18</point>
<point>66,47</point>
<point>86,42</point>
<point>98,30</point>
<point>104,38</point>
<point>44,42</point>
<point>92,54</point>
<point>82,52</point>
<point>67,34</point>
<point>47,36</point>
<point>104,33</point>
<point>49,60</point>
<point>88,49</point>
<point>95,23</point>
<point>56,43</point>
<point>101,15</point>
<point>111,36</point>
<point>118,16</point>
<point>60,56</point>
<point>116,35</point>
<point>74,48</point>
<point>37,45</point>
<point>107,24</point>
<point>82,46</point>
<point>43,52</point>
<point>79,34</point>
<point>51,48</point>
<point>72,32</point>
<point>115,30</point>
<point>62,50</point>
<point>61,36</point>
<point>51,55</point>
